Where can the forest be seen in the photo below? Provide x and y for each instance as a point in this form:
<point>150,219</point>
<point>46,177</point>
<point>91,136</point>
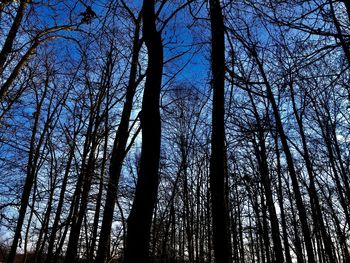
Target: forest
<point>175,131</point>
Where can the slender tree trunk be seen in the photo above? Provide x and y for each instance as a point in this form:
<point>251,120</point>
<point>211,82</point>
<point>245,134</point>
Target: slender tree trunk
<point>11,36</point>
<point>318,218</point>
<point>30,218</point>
<point>297,241</point>
<point>45,225</point>
<point>265,229</point>
<point>240,230</point>
<point>341,36</point>
<point>209,223</point>
<point>281,206</point>
<point>265,179</point>
<point>186,200</point>
<point>234,214</point>
<point>87,169</point>
<point>30,178</point>
<point>140,219</point>
<point>87,173</point>
<point>99,197</point>
<point>328,142</point>
<point>259,232</point>
<point>58,213</point>
<point>290,163</point>
<point>118,153</point>
<point>340,233</point>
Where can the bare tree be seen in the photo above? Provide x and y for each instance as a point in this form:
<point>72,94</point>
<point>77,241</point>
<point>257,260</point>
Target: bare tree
<point>140,219</point>
<point>221,234</point>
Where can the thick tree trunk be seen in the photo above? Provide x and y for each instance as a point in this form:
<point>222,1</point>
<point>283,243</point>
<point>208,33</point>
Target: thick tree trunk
<point>221,235</point>
<point>140,219</point>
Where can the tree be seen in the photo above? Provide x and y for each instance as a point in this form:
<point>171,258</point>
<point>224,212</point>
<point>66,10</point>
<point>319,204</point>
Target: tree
<point>140,218</point>
<point>119,147</point>
<point>221,234</point>
<point>37,142</point>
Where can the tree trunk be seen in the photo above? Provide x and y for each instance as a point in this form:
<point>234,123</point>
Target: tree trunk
<point>99,197</point>
<point>290,163</point>
<point>221,235</point>
<point>281,206</point>
<point>140,219</point>
<point>57,218</point>
<point>7,47</point>
<point>118,153</point>
<point>319,223</point>
<point>266,182</point>
<point>30,178</point>
<point>45,225</point>
<point>86,176</point>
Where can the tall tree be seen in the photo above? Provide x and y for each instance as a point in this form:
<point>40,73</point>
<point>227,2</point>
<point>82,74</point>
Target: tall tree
<point>140,218</point>
<point>37,140</point>
<point>221,234</point>
<point>119,148</point>
<point>261,155</point>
